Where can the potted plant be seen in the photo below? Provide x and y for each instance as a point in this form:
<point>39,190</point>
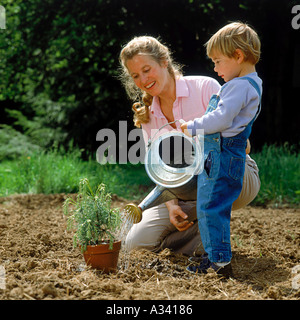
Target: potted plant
<point>95,224</point>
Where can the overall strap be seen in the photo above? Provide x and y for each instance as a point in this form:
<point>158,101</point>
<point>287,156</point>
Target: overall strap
<point>256,87</point>
<point>254,84</point>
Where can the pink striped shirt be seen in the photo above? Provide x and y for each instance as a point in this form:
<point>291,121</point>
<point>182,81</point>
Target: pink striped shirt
<point>192,96</point>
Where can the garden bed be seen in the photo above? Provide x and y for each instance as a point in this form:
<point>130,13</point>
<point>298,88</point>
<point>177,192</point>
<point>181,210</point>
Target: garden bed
<point>39,261</point>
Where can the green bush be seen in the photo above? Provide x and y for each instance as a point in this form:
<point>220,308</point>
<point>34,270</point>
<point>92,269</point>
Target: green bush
<point>14,144</point>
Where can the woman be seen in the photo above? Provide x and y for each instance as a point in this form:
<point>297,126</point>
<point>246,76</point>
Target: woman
<point>150,76</point>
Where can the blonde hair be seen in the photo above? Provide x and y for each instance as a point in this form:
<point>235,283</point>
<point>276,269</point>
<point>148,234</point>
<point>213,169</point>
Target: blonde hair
<point>236,35</point>
<point>160,53</point>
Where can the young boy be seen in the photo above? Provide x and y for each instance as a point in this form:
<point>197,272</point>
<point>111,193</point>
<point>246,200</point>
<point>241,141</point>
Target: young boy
<point>235,50</point>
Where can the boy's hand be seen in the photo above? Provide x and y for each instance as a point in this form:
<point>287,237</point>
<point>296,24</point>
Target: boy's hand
<point>184,129</point>
<point>248,147</point>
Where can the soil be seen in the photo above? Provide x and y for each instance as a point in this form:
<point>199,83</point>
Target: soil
<point>38,261</point>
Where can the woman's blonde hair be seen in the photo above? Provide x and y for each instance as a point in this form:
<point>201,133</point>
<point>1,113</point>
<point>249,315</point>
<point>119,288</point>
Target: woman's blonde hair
<point>236,35</point>
<point>160,53</point>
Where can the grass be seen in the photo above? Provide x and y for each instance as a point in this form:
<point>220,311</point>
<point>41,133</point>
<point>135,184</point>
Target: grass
<point>59,172</point>
<point>54,172</point>
<point>279,170</point>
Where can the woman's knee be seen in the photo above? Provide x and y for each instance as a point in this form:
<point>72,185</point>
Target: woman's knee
<point>251,185</point>
<point>147,234</point>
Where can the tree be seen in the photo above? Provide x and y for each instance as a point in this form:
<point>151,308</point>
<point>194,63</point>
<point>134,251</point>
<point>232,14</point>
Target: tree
<point>59,68</point>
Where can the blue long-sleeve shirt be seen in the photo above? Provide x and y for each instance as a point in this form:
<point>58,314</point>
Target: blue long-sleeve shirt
<point>238,105</point>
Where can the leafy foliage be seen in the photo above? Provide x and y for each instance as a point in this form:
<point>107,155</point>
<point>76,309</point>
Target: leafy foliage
<point>92,218</point>
<point>61,67</point>
<point>14,145</point>
<point>59,61</point>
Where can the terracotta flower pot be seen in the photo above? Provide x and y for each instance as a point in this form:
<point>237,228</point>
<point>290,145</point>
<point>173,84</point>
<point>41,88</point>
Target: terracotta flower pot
<point>100,257</point>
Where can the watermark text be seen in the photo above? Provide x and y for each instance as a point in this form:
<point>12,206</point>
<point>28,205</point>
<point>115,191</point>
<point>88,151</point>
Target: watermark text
<point>2,278</point>
<point>296,18</point>
<point>130,147</point>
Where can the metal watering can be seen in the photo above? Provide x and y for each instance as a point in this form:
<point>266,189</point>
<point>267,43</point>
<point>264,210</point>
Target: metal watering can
<point>172,162</point>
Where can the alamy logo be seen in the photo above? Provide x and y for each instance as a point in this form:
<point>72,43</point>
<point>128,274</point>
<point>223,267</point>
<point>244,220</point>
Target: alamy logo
<point>171,150</point>
<point>2,18</point>
<point>2,277</point>
<point>296,19</point>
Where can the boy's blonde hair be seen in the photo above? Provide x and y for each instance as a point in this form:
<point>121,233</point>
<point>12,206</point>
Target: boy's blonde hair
<point>236,35</point>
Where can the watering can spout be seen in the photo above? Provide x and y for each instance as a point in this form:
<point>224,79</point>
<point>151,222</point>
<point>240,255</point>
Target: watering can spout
<point>161,195</point>
<point>157,196</point>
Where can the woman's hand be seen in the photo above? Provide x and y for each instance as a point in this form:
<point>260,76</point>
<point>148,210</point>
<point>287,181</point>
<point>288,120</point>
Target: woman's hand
<point>177,217</point>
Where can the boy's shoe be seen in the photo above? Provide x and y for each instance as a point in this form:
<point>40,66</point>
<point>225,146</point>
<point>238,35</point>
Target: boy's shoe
<point>225,271</point>
<point>198,259</point>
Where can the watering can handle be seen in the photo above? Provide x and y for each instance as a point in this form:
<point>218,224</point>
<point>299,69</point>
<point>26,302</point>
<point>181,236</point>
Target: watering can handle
<point>181,121</point>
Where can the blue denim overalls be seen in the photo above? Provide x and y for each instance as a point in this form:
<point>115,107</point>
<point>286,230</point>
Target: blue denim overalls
<point>220,184</point>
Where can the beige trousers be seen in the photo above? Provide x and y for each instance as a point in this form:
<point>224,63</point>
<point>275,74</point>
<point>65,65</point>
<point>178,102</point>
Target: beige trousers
<point>155,231</point>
